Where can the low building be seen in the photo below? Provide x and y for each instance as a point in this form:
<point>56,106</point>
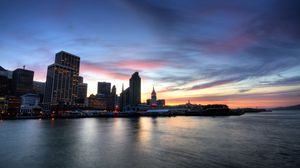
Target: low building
<point>30,103</point>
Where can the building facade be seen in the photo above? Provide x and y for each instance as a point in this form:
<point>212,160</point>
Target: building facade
<point>103,89</point>
<point>62,80</point>
<point>135,89</point>
<point>22,82</point>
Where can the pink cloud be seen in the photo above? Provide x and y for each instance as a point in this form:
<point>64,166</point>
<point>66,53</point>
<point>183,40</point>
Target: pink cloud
<point>87,67</point>
<point>140,64</point>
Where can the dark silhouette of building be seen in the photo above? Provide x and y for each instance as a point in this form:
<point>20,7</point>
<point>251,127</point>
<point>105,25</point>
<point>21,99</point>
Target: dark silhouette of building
<point>103,89</point>
<point>135,89</point>
<point>153,98</point>
<point>5,82</point>
<point>82,93</point>
<point>161,102</point>
<point>62,80</point>
<point>39,88</point>
<point>131,97</point>
<point>22,81</point>
<point>154,102</point>
<point>113,98</point>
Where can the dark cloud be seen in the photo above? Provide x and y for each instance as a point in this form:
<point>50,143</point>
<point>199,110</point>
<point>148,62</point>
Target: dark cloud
<point>216,83</point>
<point>290,81</point>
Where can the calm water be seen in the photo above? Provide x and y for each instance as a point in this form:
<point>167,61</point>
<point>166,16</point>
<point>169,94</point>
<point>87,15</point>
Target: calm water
<point>252,140</point>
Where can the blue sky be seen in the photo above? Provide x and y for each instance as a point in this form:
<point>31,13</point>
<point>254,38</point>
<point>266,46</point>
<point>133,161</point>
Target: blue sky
<point>231,52</point>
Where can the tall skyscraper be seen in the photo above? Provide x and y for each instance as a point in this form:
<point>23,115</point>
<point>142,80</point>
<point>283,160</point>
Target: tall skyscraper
<point>135,89</point>
<point>103,89</point>
<point>113,98</point>
<point>62,80</point>
<point>22,81</point>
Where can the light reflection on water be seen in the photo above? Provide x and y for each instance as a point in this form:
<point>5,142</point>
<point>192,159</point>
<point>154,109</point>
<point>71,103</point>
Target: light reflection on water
<point>251,140</point>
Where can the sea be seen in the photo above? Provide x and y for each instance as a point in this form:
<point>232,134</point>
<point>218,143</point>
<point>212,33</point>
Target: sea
<point>260,140</point>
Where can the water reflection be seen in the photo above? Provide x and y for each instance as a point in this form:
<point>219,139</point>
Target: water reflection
<point>257,140</point>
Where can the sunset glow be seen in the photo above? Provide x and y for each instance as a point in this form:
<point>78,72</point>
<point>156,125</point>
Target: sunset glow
<point>204,52</point>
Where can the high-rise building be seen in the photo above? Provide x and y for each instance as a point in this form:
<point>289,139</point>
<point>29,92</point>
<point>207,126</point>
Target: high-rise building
<point>82,90</point>
<point>4,85</point>
<point>39,88</point>
<point>131,97</point>
<point>113,98</point>
<point>135,89</point>
<point>62,80</point>
<point>22,81</point>
<point>103,89</point>
<point>5,82</point>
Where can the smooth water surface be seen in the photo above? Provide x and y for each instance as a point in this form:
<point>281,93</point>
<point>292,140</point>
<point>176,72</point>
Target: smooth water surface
<point>269,139</point>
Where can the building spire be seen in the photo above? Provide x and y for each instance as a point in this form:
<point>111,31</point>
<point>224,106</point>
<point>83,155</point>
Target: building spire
<point>153,92</point>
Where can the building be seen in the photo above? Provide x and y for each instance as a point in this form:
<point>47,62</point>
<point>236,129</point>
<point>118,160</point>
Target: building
<point>39,88</point>
<point>161,102</point>
<point>113,99</point>
<point>22,81</point>
<point>81,93</point>
<point>103,89</point>
<point>4,85</point>
<point>95,102</point>
<point>30,103</point>
<point>5,82</point>
<point>62,80</point>
<point>135,89</point>
<point>154,102</point>
<point>153,98</point>
<point>131,97</point>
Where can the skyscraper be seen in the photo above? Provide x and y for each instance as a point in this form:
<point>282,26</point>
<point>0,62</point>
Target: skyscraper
<point>62,80</point>
<point>22,81</point>
<point>103,89</point>
<point>135,89</point>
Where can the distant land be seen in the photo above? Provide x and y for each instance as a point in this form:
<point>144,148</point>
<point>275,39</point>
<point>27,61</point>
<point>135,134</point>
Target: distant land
<point>295,107</point>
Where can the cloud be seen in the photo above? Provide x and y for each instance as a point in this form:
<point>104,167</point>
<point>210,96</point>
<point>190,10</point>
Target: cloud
<point>140,64</point>
<point>290,81</point>
<point>215,83</point>
<point>101,69</point>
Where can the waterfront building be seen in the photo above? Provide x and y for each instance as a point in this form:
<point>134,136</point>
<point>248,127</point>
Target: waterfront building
<point>62,80</point>
<point>30,103</point>
<point>22,81</point>
<point>39,88</point>
<point>161,102</point>
<point>95,102</point>
<point>82,93</point>
<point>154,102</point>
<point>5,82</point>
<point>103,89</point>
<point>135,89</point>
<point>131,97</point>
<point>153,98</point>
<point>113,99</point>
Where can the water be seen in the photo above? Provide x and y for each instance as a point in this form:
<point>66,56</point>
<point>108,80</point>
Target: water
<point>252,140</point>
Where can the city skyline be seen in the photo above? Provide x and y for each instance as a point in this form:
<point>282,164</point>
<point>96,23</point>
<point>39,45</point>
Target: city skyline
<point>244,54</point>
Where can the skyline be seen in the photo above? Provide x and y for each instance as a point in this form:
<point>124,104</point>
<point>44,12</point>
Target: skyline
<point>244,54</point>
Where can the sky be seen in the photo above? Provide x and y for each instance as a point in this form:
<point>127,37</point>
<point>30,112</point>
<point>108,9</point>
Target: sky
<point>241,53</point>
